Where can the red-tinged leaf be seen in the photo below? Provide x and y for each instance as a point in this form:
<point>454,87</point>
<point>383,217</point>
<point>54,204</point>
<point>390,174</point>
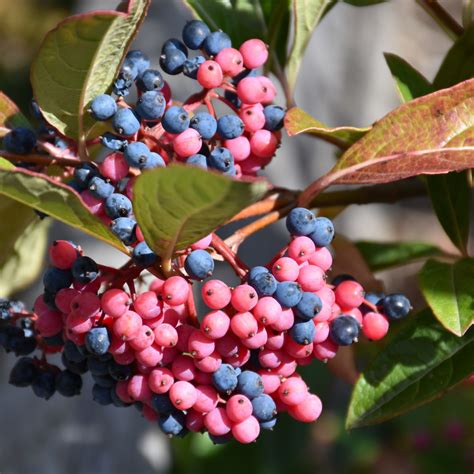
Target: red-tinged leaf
<point>10,115</point>
<point>430,135</point>
<point>298,121</point>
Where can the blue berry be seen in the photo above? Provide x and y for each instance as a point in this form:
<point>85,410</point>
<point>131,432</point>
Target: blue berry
<point>120,372</point>
<point>224,378</point>
<point>84,270</point>
<point>395,306</point>
<point>151,105</point>
<point>230,126</point>
<point>150,80</point>
<point>125,122</point>
<point>116,400</point>
<point>112,142</point>
<point>344,330</point>
<point>205,124</point>
<point>121,86</point>
<point>128,72</point>
<point>139,59</point>
<point>78,368</point>
<point>199,265</point>
<point>118,205</point>
<point>97,366</point>
<point>254,271</point>
<point>103,107</point>
<point>264,283</point>
<point>49,299</point>
<point>162,403</point>
<point>143,255</point>
<point>374,298</point>
<point>68,384</point>
<point>245,73</point>
<point>221,159</point>
<point>175,120</point>
<point>300,221</point>
<point>194,34</point>
<point>191,66</point>
<point>269,425</point>
<point>20,140</point>
<point>274,115</point>
<point>136,154</point>
<point>215,42</point>
<point>97,341</point>
<point>309,306</point>
<point>55,279</point>
<point>100,188</point>
<point>288,293</point>
<point>233,98</point>
<point>303,332</point>
<point>72,352</point>
<point>250,384</point>
<point>104,381</point>
<point>172,61</point>
<point>23,372</point>
<point>153,160</point>
<point>44,384</point>
<point>84,173</point>
<point>172,424</point>
<point>173,44</point>
<point>124,229</point>
<point>197,160</point>
<point>323,232</point>
<point>101,395</point>
<point>264,408</point>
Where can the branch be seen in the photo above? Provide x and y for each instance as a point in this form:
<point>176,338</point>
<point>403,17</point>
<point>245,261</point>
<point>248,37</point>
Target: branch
<point>442,17</point>
<point>229,256</point>
<point>44,160</point>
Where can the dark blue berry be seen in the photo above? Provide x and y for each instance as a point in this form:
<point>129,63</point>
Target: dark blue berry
<point>124,229</point>
<point>303,332</point>
<point>120,372</point>
<point>20,140</point>
<point>54,341</point>
<point>250,384</point>
<point>84,270</point>
<point>97,341</point>
<point>118,205</point>
<point>112,142</point>
<point>205,124</point>
<point>215,42</point>
<point>220,159</point>
<point>194,34</point>
<point>23,372</point>
<point>300,221</point>
<point>103,107</point>
<point>199,265</point>
<point>75,367</point>
<point>323,232</point>
<point>97,366</point>
<point>309,306</point>
<point>143,255</point>
<point>105,381</point>
<point>274,115</point>
<point>55,279</point>
<point>191,66</point>
<point>254,271</point>
<point>342,277</point>
<point>139,59</point>
<point>44,384</point>
<point>288,293</point>
<point>162,403</point>
<point>175,120</point>
<point>125,122</point>
<point>100,188</point>
<point>72,352</point>
<point>150,80</point>
<point>344,330</point>
<point>172,61</point>
<point>264,408</point>
<point>198,160</point>
<point>173,44</point>
<point>151,105</point>
<point>101,395</point>
<point>395,306</point>
<point>224,378</point>
<point>264,283</point>
<point>172,424</point>
<point>84,173</point>
<point>68,384</point>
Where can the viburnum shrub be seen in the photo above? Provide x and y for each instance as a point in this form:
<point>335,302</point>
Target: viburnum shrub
<point>119,154</point>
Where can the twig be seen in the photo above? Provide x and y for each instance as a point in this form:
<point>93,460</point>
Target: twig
<point>229,256</point>
<point>442,17</point>
<point>43,160</point>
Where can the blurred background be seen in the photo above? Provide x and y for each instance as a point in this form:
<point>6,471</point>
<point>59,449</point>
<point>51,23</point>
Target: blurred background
<point>343,81</point>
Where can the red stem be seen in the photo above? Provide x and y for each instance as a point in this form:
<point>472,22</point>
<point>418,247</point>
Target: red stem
<point>192,313</point>
<point>229,256</point>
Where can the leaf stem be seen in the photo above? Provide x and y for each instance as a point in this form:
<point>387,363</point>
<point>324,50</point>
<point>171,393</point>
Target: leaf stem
<point>450,26</point>
<point>229,256</point>
<point>467,10</point>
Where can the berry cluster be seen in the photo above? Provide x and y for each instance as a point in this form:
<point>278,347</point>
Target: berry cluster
<point>230,372</point>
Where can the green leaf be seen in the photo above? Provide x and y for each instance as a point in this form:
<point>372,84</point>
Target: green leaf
<point>458,64</point>
<point>410,83</point>
<point>55,199</point>
<point>78,60</point>
<point>245,19</point>
<point>10,115</point>
<point>298,121</point>
<point>306,16</point>
<point>23,247</point>
<point>450,193</point>
<point>382,255</point>
<point>178,205</point>
<point>419,364</point>
<point>429,135</point>
<point>448,289</point>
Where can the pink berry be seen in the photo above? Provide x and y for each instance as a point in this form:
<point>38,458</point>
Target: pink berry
<point>322,332</point>
<point>95,205</point>
<point>93,286</point>
<point>147,305</point>
<point>217,422</point>
<point>62,254</point>
<point>203,378</point>
<point>293,391</point>
<point>269,89</point>
<point>285,269</point>
<point>199,345</point>
<point>285,321</point>
<point>74,323</point>
<point>183,368</point>
<point>326,295</point>
<point>239,147</point>
<point>175,291</point>
<point>253,118</point>
<point>244,325</point>
<point>210,363</point>
<point>183,395</point>
<point>149,414</point>
<point>117,345</point>
<point>169,355</point>
<point>325,350</point>
<point>227,346</point>
<point>239,359</point>
<point>244,298</point>
<point>50,323</point>
<point>324,314</point>
<point>322,258</point>
<point>375,326</point>
<point>114,167</point>
<point>206,400</point>
<point>202,244</point>
<point>151,356</point>
<point>287,367</point>
<point>210,74</point>
<point>263,143</point>
<point>86,305</point>
<point>138,389</point>
<point>128,325</point>
<point>171,317</point>
<point>194,421</point>
<point>349,294</point>
<point>308,410</point>
<point>184,331</point>
<point>126,358</point>
<point>301,249</point>
<point>267,310</point>
<point>275,340</point>
<point>160,380</point>
<point>355,313</point>
<point>157,285</point>
<point>187,143</point>
<point>311,278</point>
<point>258,340</point>
<point>251,165</point>
<point>165,335</point>
<point>230,60</point>
<point>64,298</point>
<point>271,381</point>
<point>298,351</point>
<point>269,359</point>
<point>143,339</point>
<point>238,408</point>
<point>247,430</point>
<point>215,324</point>
<point>254,53</point>
<point>251,91</point>
<point>216,294</point>
<point>115,302</point>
